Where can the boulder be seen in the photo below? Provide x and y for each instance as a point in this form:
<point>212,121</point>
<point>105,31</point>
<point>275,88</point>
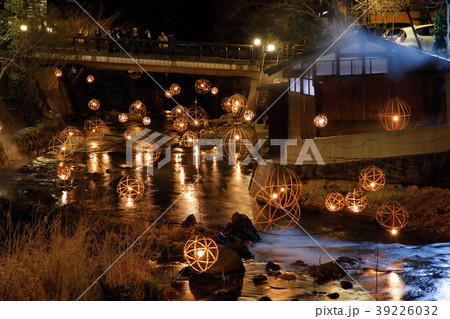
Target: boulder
<point>346,284</point>
<point>241,227</point>
<point>326,272</point>
<point>228,262</point>
<point>264,298</point>
<point>299,263</point>
<point>259,279</point>
<point>241,249</point>
<point>271,266</point>
<point>189,221</point>
<point>347,260</point>
<point>333,295</point>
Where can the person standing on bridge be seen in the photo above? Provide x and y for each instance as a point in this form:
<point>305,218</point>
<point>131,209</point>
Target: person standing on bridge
<point>147,34</point>
<point>163,38</point>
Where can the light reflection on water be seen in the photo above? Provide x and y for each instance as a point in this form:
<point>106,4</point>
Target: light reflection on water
<point>222,190</point>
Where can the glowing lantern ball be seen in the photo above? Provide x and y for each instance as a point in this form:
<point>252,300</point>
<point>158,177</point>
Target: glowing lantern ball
<point>73,133</point>
<point>202,86</point>
<point>356,200</point>
<point>123,117</point>
<point>138,108</point>
<point>129,134</point>
<point>189,139</point>
<point>249,115</point>
<point>275,213</point>
<point>180,124</point>
<point>392,217</point>
<point>168,94</point>
<point>201,253</point>
<point>130,187</point>
<point>175,89</point>
<point>63,145</point>
<point>284,182</point>
<point>395,114</point>
<point>320,120</point>
<point>94,104</point>
<point>276,81</point>
<point>178,112</point>
<point>197,115</point>
<point>1,127</point>
<point>90,78</point>
<point>226,104</point>
<point>214,91</point>
<point>237,105</point>
<point>58,73</point>
<point>335,202</point>
<point>235,144</point>
<point>372,178</point>
<point>152,152</point>
<point>146,120</point>
<point>135,75</point>
<point>64,172</point>
<point>94,127</point>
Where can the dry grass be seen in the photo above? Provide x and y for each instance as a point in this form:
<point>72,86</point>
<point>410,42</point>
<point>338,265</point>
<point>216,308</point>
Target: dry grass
<point>52,260</point>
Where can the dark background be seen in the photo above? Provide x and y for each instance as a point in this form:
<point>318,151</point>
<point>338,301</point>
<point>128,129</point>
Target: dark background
<point>188,20</point>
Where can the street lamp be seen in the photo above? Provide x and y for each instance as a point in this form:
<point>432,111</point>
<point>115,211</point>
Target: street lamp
<point>23,27</point>
<point>257,42</point>
<point>270,48</point>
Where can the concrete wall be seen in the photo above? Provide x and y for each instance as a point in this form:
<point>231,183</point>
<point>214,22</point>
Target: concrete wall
<point>339,149</point>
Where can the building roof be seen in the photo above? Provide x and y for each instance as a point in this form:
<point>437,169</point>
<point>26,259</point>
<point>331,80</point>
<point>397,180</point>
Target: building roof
<point>361,46</point>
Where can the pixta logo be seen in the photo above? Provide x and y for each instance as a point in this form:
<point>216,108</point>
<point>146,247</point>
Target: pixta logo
<point>147,149</point>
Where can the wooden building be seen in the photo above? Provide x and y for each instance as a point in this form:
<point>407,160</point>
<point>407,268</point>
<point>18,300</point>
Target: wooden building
<point>349,81</point>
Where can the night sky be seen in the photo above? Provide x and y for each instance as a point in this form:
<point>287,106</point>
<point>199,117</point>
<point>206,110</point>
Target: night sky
<point>187,20</point>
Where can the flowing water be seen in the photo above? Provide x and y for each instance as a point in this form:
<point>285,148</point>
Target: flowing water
<point>407,270</point>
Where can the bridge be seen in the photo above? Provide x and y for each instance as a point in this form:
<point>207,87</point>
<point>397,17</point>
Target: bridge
<point>209,59</point>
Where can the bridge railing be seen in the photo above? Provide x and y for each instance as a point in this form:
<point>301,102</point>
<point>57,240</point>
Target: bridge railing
<point>168,49</point>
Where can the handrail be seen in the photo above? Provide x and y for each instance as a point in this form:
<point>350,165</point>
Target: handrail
<point>169,49</point>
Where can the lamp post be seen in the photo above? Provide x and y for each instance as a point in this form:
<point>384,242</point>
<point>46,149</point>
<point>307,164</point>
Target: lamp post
<point>270,48</point>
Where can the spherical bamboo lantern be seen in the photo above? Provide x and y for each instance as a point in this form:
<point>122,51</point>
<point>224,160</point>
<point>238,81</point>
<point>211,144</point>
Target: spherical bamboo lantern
<point>94,127</point>
<point>138,108</point>
<point>135,75</point>
<point>392,217</point>
<point>123,117</point>
<point>175,89</point>
<point>226,104</point>
<point>64,172</point>
<point>284,182</point>
<point>180,124</point>
<point>129,134</point>
<point>58,73</point>
<point>74,133</point>
<point>152,152</point>
<point>130,187</point>
<point>214,91</point>
<point>189,139</point>
<point>237,105</point>
<point>62,145</point>
<point>90,78</point>
<point>177,112</point>
<point>168,94</point>
<point>202,86</point>
<point>197,115</point>
<point>235,144</point>
<point>372,178</point>
<point>249,115</point>
<point>335,202</point>
<point>201,253</point>
<point>272,212</point>
<point>146,120</point>
<point>94,104</point>
<point>277,81</point>
<point>320,120</point>
<point>395,114</point>
<point>356,200</point>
